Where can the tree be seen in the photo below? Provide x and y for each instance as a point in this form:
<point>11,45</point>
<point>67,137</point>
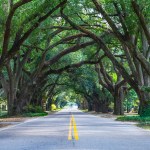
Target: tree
<point>112,80</point>
<point>135,58</point>
<point>24,27</point>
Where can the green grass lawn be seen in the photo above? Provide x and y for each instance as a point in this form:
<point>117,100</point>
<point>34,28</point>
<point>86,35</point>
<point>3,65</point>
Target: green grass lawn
<point>143,122</point>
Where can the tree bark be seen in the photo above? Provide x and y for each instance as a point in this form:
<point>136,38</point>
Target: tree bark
<point>144,107</point>
<point>118,101</point>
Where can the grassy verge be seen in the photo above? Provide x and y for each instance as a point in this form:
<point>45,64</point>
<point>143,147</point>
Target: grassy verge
<point>133,118</point>
<point>143,122</point>
<point>144,125</point>
<point>84,110</point>
<point>55,110</point>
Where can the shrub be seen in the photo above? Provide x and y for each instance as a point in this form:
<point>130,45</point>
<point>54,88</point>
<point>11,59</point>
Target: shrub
<point>35,114</point>
<point>146,111</point>
<point>53,107</point>
<point>38,109</point>
<point>33,109</point>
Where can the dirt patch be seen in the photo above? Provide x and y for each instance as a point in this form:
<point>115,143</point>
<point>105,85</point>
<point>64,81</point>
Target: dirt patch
<point>108,116</point>
<point>13,119</point>
<point>4,122</point>
<point>4,125</point>
<point>103,115</point>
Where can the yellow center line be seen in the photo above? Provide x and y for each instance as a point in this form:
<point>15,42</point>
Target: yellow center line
<point>74,126</point>
<point>70,130</point>
<point>75,129</point>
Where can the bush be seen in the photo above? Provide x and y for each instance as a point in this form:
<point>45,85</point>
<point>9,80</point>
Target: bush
<point>33,109</point>
<point>146,112</point>
<point>53,107</point>
<point>38,109</point>
<point>35,114</point>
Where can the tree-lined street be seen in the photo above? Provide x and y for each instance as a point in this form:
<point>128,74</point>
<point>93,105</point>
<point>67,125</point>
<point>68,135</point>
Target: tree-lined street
<point>90,54</point>
<point>95,133</point>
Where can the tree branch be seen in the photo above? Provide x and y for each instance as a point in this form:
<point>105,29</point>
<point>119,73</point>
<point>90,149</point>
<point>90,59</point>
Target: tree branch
<point>141,19</point>
<point>17,44</point>
<point>8,25</point>
<point>67,51</point>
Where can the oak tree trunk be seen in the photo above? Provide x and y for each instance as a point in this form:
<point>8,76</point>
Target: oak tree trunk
<point>118,102</point>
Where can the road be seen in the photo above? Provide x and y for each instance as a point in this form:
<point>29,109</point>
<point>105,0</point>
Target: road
<point>74,130</point>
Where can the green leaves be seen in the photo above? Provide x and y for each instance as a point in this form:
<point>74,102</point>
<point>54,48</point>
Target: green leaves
<point>146,88</point>
<point>114,77</point>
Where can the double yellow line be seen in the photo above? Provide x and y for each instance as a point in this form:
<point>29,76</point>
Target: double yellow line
<point>73,132</point>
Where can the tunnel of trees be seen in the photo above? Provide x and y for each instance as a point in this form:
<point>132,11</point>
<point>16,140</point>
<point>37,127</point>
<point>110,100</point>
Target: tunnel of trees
<point>91,52</point>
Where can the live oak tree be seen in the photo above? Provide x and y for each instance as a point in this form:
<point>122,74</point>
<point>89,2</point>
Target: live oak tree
<point>28,71</point>
<point>111,79</point>
<point>17,31</point>
<point>133,45</point>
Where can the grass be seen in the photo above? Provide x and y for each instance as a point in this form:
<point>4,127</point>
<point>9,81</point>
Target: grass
<point>133,118</point>
<point>84,110</point>
<point>143,122</point>
<point>144,125</point>
<point>57,109</point>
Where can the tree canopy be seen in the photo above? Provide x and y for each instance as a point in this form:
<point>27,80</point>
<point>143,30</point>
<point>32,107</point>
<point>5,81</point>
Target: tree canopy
<point>96,52</point>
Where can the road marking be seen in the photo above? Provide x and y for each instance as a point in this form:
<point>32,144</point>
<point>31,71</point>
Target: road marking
<point>75,129</point>
<point>73,132</point>
<point>70,130</point>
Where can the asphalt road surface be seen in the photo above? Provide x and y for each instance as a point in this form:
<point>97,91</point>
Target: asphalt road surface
<point>72,129</point>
